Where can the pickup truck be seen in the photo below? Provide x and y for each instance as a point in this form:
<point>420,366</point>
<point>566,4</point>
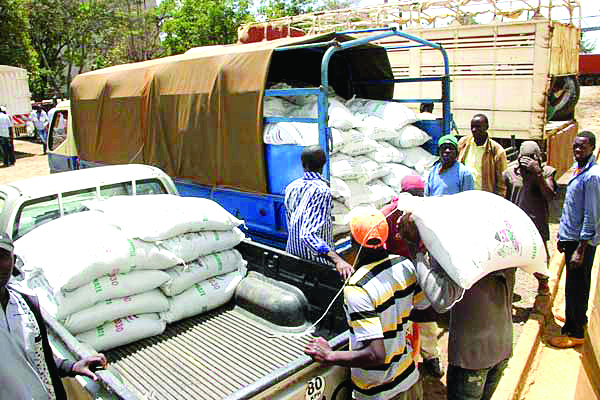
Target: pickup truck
<point>251,347</point>
<point>199,116</point>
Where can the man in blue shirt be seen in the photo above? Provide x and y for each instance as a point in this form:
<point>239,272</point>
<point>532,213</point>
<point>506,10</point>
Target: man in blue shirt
<point>448,176</point>
<point>308,204</point>
<point>578,236</point>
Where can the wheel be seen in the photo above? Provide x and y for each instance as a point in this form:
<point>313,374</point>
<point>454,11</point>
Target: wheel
<point>567,88</point>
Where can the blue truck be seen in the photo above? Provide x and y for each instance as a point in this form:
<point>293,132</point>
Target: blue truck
<point>199,116</point>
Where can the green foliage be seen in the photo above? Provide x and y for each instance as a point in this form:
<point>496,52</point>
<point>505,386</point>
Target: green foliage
<point>15,46</point>
<point>270,9</point>
<point>193,23</point>
<point>586,46</point>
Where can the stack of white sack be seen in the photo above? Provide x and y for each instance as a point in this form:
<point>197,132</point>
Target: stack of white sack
<point>202,279</point>
<point>496,235</point>
<point>103,282</point>
<point>374,146</point>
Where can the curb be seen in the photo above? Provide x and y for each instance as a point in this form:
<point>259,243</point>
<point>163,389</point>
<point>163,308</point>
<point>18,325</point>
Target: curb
<point>512,382</point>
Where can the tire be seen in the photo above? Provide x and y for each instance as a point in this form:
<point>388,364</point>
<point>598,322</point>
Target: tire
<point>565,108</point>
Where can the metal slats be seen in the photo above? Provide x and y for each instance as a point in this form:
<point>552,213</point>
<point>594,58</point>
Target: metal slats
<point>205,357</point>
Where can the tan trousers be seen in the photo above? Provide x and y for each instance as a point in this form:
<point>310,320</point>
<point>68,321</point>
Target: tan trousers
<point>414,393</point>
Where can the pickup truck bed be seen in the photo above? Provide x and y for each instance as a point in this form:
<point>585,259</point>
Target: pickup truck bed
<point>209,356</point>
<point>236,351</point>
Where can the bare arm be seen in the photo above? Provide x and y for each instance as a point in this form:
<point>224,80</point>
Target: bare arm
<point>372,355</point>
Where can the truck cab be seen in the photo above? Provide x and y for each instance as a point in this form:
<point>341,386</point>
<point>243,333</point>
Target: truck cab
<point>62,151</point>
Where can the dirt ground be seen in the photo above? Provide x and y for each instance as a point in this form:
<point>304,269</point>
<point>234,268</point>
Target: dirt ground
<point>31,162</point>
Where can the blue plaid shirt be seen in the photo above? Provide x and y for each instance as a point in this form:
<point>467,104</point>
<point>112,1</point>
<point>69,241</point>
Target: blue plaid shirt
<point>580,219</point>
<point>308,204</point>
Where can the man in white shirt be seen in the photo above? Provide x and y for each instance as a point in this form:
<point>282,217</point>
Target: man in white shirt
<point>6,132</point>
<point>40,121</point>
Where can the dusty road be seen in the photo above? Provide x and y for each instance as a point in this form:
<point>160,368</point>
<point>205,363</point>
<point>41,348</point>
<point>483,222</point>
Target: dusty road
<point>31,162</point>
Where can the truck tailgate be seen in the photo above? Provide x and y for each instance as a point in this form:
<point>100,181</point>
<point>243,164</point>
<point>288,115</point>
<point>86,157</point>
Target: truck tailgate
<point>209,356</point>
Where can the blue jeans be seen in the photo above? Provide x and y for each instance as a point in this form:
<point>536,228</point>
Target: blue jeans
<point>43,135</point>
<point>479,384</point>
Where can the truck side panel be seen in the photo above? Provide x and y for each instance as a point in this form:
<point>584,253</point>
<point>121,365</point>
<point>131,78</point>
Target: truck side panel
<point>510,63</point>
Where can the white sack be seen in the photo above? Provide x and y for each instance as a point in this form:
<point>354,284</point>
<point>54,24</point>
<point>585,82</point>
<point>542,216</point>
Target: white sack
<point>371,169</point>
<point>397,173</point>
<point>108,287</point>
<point>356,143</point>
<point>386,153</point>
<point>153,301</point>
<point>339,188</point>
<point>203,296</point>
<point>163,216</point>
<point>276,107</point>
<point>496,235</point>
<point>375,193</point>
<point>346,167</point>
<point>417,156</point>
<point>394,114</point>
<point>299,133</point>
<point>123,331</point>
<point>74,249</point>
<point>338,114</point>
<point>185,276</point>
<point>410,136</point>
<point>375,128</point>
<point>281,133</point>
<point>382,192</point>
<point>339,213</point>
<point>184,248</point>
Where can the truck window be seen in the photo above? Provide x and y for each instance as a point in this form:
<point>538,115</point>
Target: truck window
<point>116,189</point>
<point>73,201</point>
<point>34,213</point>
<point>58,129</point>
<point>149,186</point>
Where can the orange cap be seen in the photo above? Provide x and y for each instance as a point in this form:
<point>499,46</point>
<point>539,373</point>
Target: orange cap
<point>369,225</point>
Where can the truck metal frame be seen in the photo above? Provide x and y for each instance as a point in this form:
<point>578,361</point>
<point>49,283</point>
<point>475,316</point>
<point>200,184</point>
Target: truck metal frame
<point>275,232</point>
<point>264,213</point>
<point>505,70</point>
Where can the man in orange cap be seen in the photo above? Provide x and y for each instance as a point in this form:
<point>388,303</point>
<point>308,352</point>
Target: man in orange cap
<point>378,298</point>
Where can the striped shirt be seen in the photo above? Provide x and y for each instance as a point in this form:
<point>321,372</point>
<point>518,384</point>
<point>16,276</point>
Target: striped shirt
<point>378,299</point>
<point>308,204</point>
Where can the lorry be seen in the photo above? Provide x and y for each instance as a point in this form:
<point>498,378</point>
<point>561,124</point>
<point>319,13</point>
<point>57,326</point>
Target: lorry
<point>199,116</point>
<point>15,96</point>
<point>252,347</point>
<point>508,60</point>
<point>589,69</point>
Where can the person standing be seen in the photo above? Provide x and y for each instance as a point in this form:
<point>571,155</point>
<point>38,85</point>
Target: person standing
<point>578,236</point>
<point>531,185</point>
<point>308,203</point>
<point>6,133</point>
<point>28,370</point>
<point>40,121</point>
<point>485,158</point>
<point>447,175</point>
<point>378,300</point>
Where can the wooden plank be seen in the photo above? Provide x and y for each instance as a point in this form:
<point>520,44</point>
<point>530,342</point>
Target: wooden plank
<point>559,152</point>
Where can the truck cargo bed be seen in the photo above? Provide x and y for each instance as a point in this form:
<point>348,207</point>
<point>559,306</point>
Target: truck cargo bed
<point>209,356</point>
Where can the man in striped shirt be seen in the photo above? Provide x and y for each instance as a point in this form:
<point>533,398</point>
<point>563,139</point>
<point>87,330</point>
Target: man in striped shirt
<point>379,298</point>
<point>308,204</point>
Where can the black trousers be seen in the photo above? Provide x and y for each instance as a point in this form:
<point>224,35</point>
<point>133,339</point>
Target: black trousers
<point>577,290</point>
<point>6,150</point>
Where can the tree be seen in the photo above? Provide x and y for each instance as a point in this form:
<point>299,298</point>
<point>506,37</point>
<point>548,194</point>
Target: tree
<point>586,46</point>
<point>15,46</point>
<point>270,9</point>
<point>193,23</point>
